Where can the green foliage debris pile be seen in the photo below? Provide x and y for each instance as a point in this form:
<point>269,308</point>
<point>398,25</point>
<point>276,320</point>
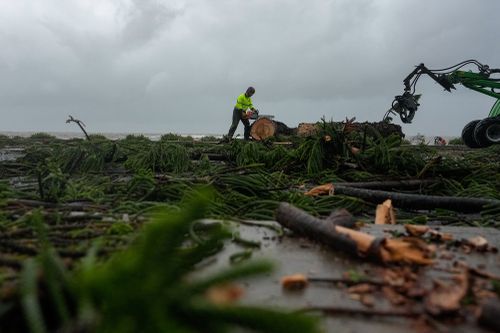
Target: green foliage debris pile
<point>63,196</point>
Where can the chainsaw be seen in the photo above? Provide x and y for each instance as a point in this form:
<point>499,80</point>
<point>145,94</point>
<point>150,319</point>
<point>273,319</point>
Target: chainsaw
<point>252,114</point>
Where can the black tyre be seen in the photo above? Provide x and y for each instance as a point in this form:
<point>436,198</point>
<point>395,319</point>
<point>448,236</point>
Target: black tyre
<point>487,132</point>
<point>468,134</point>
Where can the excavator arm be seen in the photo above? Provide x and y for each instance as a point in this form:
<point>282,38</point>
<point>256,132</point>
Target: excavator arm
<point>406,105</point>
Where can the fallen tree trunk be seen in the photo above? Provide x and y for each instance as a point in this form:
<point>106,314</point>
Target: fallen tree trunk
<point>417,201</point>
<point>371,128</point>
<point>265,127</point>
<point>390,184</point>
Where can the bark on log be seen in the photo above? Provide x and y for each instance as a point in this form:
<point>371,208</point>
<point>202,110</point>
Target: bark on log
<point>323,231</point>
<point>352,241</point>
<point>490,315</point>
<point>416,201</point>
<point>372,128</point>
<point>265,127</point>
<point>390,184</point>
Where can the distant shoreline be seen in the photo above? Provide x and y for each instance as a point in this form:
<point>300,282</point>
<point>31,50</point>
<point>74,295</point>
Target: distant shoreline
<point>111,136</point>
<point>156,136</point>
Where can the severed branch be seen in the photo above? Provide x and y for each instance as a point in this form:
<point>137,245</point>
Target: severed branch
<point>80,124</point>
<point>353,242</point>
<point>305,224</point>
<point>417,201</point>
<point>390,184</point>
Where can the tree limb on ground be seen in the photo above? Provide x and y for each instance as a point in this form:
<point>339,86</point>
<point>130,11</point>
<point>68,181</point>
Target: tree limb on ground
<point>351,241</point>
<point>417,201</point>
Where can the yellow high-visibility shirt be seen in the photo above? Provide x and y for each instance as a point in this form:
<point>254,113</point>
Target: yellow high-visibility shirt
<point>243,102</point>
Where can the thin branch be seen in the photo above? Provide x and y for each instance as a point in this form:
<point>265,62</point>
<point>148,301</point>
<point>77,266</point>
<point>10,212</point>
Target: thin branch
<point>80,124</point>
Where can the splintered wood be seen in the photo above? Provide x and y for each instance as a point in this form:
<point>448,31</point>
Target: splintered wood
<point>387,250</point>
<point>385,213</point>
<point>325,189</point>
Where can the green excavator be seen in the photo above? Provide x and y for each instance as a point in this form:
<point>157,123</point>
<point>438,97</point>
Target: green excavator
<point>477,133</point>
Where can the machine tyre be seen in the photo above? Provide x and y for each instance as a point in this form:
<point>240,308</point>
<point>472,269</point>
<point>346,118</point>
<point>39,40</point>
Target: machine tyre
<point>468,134</point>
<point>487,131</point>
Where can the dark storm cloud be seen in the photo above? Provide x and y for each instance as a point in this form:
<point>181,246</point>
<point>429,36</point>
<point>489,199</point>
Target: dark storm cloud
<point>145,20</point>
<point>132,65</point>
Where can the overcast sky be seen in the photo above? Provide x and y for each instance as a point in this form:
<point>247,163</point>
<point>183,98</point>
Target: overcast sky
<point>178,65</point>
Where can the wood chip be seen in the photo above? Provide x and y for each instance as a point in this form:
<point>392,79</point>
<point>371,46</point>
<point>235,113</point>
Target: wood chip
<point>294,282</point>
<point>416,230</point>
<point>479,242</point>
<point>367,300</point>
<point>385,213</point>
<point>224,294</point>
<point>362,288</point>
<point>393,296</point>
<point>326,189</point>
<point>440,236</point>
<point>445,297</point>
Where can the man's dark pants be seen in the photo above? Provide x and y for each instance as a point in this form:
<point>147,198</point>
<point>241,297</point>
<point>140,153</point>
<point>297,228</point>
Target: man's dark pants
<point>237,116</point>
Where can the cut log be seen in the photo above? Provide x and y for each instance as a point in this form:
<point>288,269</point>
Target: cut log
<point>391,184</point>
<point>331,233</point>
<point>264,128</point>
<point>383,128</point>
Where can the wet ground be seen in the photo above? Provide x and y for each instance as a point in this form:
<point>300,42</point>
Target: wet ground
<point>293,254</point>
<point>11,153</point>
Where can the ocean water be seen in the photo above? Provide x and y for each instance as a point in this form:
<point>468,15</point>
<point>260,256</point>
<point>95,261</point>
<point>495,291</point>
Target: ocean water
<point>111,136</point>
<point>414,139</point>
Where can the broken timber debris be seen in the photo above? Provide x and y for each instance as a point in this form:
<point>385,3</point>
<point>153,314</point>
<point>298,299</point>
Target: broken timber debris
<point>383,128</point>
<point>416,201</point>
<point>385,213</point>
<point>328,232</point>
<point>264,128</point>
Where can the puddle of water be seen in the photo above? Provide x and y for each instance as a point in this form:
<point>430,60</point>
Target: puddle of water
<point>11,154</point>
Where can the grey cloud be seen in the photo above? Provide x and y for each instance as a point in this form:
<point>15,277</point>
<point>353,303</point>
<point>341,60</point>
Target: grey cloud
<point>145,20</point>
<point>179,65</point>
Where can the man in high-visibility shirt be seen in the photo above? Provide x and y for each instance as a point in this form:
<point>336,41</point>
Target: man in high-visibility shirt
<point>243,103</point>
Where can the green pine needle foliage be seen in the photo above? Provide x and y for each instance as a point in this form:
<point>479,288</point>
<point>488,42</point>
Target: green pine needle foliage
<point>85,156</point>
<point>146,288</point>
<point>161,157</point>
